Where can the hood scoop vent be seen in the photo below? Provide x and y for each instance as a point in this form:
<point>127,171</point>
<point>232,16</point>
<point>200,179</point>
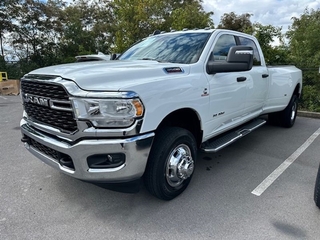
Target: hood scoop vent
<point>173,70</point>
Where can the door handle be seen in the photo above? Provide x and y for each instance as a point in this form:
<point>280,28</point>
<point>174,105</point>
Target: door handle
<point>265,75</point>
<point>241,79</point>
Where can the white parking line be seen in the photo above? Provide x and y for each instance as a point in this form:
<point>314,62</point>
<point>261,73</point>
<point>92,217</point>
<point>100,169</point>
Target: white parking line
<point>3,97</point>
<point>276,173</point>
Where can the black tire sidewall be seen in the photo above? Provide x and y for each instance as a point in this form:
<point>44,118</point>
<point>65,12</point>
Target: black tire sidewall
<point>286,114</point>
<point>167,140</point>
<point>317,189</point>
<point>274,118</point>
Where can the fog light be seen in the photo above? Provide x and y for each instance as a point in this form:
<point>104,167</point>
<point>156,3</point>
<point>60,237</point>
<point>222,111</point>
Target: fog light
<point>112,160</point>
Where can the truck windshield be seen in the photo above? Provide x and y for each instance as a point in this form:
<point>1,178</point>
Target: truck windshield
<point>176,48</point>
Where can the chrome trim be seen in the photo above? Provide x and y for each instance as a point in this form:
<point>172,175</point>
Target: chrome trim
<point>135,148</point>
<point>74,90</point>
<point>85,131</point>
<point>106,170</point>
<point>52,102</point>
<point>42,101</point>
<point>244,52</point>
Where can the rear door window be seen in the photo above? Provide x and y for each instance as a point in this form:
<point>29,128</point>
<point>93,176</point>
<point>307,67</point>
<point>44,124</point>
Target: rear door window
<point>256,55</point>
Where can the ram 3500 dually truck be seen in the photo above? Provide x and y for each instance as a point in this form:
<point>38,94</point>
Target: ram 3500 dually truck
<point>145,115</point>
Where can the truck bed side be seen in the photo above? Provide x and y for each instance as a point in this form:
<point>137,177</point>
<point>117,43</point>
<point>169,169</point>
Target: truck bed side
<point>283,81</point>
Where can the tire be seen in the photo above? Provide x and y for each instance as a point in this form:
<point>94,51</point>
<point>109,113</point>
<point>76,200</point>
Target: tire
<point>171,163</point>
<point>317,190</point>
<point>289,114</point>
<point>274,118</point>
<point>287,117</point>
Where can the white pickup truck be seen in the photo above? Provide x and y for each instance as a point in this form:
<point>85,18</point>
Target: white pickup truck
<point>146,114</point>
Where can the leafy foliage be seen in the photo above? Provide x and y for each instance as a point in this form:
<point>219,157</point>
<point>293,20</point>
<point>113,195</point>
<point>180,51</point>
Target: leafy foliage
<point>53,31</point>
<point>236,22</point>
<point>266,36</point>
<point>304,39</point>
<point>46,32</point>
<point>136,19</point>
<point>304,45</point>
<point>6,24</point>
<point>187,17</point>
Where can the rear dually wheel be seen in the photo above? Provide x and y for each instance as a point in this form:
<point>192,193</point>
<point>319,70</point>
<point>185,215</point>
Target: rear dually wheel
<point>287,117</point>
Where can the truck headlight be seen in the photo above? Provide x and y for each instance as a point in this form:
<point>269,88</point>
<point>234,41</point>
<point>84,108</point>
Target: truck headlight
<point>108,112</point>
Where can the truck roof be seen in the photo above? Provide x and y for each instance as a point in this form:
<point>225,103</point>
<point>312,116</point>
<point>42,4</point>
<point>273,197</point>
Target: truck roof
<point>205,30</point>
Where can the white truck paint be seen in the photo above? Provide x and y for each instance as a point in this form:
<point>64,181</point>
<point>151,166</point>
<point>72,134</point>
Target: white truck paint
<point>190,92</point>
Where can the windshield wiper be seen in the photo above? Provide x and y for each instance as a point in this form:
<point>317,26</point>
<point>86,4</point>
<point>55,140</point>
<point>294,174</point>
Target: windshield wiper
<point>153,59</point>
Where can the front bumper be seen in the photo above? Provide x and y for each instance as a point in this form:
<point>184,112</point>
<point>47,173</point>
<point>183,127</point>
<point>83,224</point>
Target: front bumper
<point>136,150</point>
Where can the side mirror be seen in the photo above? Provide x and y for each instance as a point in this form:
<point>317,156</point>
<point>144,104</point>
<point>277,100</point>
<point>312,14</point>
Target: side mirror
<point>240,58</point>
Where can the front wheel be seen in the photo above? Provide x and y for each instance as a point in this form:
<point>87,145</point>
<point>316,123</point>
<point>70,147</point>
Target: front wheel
<point>171,163</point>
<point>317,189</point>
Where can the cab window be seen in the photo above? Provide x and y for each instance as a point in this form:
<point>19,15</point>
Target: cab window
<point>256,56</point>
<point>221,49</point>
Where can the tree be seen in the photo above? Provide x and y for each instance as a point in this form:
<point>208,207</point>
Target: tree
<point>34,33</point>
<point>304,42</point>
<point>266,36</point>
<point>136,19</point>
<point>7,14</point>
<point>191,16</point>
<point>232,21</point>
<point>47,32</point>
<point>304,39</point>
<point>87,26</point>
<point>30,29</point>
<point>77,37</point>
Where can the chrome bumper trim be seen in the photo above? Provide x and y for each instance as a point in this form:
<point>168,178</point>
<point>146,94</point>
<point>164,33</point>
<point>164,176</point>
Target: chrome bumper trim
<point>135,148</point>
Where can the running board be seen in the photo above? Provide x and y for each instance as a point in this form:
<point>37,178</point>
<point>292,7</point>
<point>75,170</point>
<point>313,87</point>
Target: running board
<point>217,143</point>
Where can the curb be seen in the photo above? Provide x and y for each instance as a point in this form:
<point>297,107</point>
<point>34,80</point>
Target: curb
<point>308,114</point>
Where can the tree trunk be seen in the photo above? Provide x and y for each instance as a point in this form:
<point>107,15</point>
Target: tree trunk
<point>2,52</point>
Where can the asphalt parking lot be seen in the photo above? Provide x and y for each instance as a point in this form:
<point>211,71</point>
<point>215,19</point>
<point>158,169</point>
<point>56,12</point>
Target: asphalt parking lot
<point>37,202</point>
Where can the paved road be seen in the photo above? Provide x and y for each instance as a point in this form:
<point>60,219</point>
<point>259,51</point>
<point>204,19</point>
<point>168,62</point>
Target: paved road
<point>37,202</point>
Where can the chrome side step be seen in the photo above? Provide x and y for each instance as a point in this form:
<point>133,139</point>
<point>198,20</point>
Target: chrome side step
<point>217,143</point>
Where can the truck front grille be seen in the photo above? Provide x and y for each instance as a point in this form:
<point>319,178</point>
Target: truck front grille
<point>35,93</point>
<point>55,118</point>
<point>52,91</point>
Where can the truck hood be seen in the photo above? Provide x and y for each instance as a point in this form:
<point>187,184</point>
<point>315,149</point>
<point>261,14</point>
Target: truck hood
<point>114,75</point>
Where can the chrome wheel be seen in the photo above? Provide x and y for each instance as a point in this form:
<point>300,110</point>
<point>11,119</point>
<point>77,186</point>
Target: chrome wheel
<point>287,117</point>
<point>294,111</point>
<point>180,165</point>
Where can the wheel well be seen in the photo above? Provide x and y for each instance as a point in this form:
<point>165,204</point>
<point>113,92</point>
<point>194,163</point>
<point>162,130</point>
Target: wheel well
<point>185,118</point>
<point>297,90</point>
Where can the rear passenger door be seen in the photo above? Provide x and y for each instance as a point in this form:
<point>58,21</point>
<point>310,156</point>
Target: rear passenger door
<point>257,84</point>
